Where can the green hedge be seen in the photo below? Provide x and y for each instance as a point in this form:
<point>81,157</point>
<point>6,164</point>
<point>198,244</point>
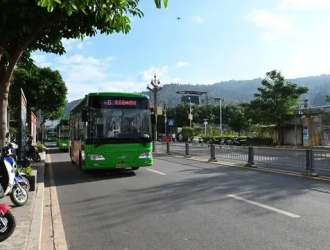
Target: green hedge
<point>257,141</point>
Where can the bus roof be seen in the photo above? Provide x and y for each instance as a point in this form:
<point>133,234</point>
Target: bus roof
<point>64,118</point>
<point>113,94</point>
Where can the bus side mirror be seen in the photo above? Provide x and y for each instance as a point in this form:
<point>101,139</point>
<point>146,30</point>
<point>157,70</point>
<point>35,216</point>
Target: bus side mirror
<point>84,116</point>
<point>153,119</point>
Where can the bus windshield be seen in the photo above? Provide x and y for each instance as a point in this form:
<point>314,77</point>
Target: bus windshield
<point>120,123</point>
<point>64,132</point>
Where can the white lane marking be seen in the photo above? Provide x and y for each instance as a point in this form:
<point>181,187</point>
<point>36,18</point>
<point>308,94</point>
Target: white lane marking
<point>155,171</point>
<point>264,206</point>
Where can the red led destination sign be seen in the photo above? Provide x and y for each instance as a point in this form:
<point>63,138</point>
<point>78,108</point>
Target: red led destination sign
<point>120,102</point>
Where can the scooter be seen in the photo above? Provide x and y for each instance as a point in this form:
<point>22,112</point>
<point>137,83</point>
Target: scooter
<point>7,220</point>
<point>8,179</point>
<point>32,151</point>
<point>19,176</point>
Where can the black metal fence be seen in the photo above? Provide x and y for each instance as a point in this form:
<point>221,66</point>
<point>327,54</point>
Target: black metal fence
<point>311,162</point>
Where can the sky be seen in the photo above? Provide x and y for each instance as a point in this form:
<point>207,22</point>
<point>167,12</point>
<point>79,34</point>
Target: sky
<point>215,40</point>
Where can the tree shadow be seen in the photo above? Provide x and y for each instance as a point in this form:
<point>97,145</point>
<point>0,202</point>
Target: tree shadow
<point>66,173</point>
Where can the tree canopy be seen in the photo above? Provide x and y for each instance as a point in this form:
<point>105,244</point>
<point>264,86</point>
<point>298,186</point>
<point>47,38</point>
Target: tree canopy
<point>27,26</point>
<point>44,89</point>
<point>237,118</point>
<point>275,100</point>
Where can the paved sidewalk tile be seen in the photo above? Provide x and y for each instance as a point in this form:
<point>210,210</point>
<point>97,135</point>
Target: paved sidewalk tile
<point>23,216</point>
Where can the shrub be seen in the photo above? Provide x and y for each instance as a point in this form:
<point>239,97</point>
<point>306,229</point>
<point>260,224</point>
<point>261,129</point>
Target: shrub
<point>187,132</point>
<point>27,170</point>
<point>39,145</point>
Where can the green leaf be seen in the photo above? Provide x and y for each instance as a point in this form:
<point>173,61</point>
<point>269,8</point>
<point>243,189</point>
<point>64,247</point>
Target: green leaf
<point>44,3</point>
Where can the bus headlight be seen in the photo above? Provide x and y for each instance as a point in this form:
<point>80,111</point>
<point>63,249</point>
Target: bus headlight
<point>145,155</point>
<point>96,157</point>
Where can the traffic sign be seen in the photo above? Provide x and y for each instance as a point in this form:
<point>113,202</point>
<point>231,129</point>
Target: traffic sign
<point>170,122</point>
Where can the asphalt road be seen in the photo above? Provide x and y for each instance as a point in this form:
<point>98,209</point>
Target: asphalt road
<point>179,204</point>
<point>271,157</point>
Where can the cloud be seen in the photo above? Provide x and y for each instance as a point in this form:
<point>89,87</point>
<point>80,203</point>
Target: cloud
<point>83,74</point>
<point>307,61</point>
<point>275,25</point>
<point>79,68</point>
<point>161,74</point>
<point>304,4</point>
<point>198,19</point>
<point>181,64</point>
<point>80,45</point>
<point>68,44</point>
<point>41,60</point>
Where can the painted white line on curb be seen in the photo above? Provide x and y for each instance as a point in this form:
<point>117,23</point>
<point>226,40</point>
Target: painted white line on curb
<point>157,172</point>
<point>264,206</point>
<point>59,235</point>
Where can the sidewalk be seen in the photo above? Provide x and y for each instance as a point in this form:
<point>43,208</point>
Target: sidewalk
<point>27,234</point>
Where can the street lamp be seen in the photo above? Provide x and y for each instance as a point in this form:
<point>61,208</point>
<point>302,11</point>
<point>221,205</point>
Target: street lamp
<point>190,110</point>
<point>220,104</point>
<point>155,87</point>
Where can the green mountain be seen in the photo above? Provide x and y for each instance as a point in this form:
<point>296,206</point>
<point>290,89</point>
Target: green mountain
<point>70,106</point>
<point>239,91</point>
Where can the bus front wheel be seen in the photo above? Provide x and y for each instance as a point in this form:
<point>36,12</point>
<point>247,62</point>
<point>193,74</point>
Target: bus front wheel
<point>136,168</point>
<point>72,161</point>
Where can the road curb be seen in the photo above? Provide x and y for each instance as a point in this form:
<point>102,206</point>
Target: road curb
<point>34,238</point>
<point>59,238</point>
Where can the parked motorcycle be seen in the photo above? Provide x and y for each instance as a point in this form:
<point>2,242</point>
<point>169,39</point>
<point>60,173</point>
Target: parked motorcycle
<point>19,175</point>
<point>32,150</point>
<point>12,184</point>
<point>7,219</point>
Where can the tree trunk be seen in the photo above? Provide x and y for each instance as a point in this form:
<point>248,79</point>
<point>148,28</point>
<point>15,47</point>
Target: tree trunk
<point>4,91</point>
<point>280,135</point>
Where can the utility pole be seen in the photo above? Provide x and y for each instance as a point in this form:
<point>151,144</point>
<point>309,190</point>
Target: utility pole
<point>190,110</point>
<point>165,118</point>
<point>205,127</point>
<point>155,87</point>
<point>220,104</point>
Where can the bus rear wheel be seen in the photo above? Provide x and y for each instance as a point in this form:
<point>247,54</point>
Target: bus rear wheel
<point>80,160</point>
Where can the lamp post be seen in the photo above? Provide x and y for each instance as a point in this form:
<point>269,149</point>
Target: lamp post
<point>220,104</point>
<point>190,110</point>
<point>155,87</point>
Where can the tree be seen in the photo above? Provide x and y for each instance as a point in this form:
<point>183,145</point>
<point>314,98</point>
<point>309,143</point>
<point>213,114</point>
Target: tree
<point>44,89</point>
<point>41,24</point>
<point>238,120</point>
<point>275,101</point>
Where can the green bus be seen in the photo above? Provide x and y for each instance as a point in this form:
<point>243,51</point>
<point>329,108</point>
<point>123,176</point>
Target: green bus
<point>63,133</point>
<point>51,134</point>
<point>111,131</point>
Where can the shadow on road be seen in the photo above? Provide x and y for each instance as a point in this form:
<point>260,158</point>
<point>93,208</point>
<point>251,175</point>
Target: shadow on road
<point>66,173</point>
<point>203,184</point>
<point>55,150</point>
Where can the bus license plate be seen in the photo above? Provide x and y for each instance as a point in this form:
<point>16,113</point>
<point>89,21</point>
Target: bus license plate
<point>122,165</point>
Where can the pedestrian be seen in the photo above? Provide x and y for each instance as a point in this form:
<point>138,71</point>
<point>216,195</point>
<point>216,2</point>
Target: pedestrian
<point>173,137</point>
<point>180,137</point>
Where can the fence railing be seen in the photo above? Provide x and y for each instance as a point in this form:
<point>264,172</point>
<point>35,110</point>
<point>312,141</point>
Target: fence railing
<point>307,161</point>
